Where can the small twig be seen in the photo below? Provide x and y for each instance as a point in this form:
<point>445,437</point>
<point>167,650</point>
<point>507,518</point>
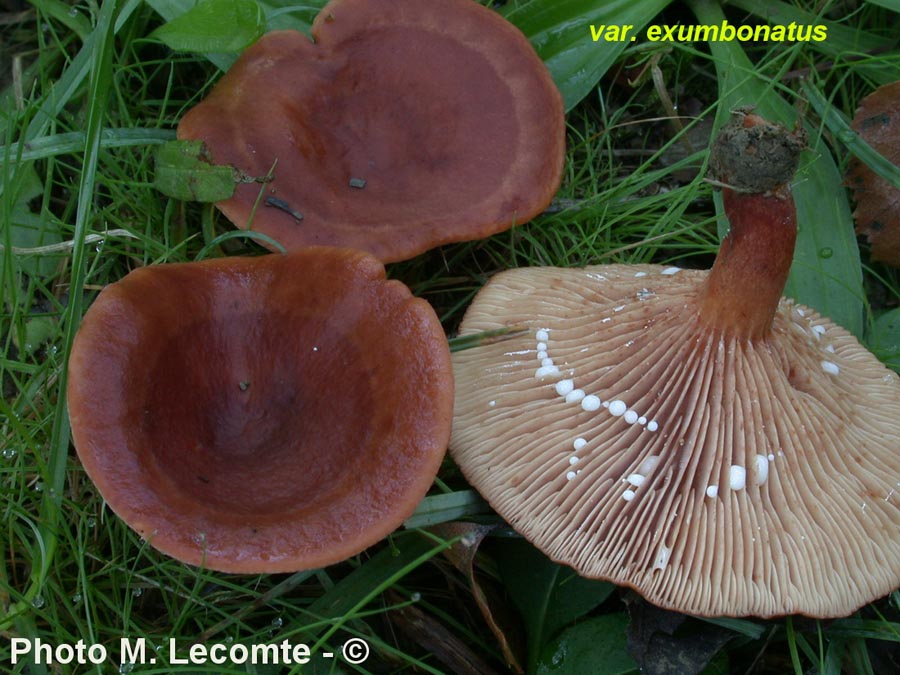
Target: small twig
<point>282,205</point>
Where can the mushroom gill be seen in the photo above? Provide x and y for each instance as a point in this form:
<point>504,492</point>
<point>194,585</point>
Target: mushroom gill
<point>669,430</point>
<point>716,475</point>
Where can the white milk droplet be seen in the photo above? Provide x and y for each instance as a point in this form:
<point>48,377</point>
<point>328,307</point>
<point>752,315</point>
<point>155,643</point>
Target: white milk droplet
<point>648,464</point>
<point>762,469</point>
<point>737,477</point>
<point>831,368</point>
<point>590,403</point>
<point>575,396</point>
<point>617,408</point>
<point>564,387</point>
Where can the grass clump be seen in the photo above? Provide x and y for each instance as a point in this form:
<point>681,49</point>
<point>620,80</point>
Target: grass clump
<point>89,95</point>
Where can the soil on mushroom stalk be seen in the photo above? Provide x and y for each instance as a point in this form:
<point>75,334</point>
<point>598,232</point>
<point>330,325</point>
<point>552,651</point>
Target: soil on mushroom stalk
<point>631,193</point>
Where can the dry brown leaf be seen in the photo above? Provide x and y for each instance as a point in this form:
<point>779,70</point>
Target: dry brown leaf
<point>462,555</point>
<point>432,635</point>
<point>663,642</point>
<point>877,213</point>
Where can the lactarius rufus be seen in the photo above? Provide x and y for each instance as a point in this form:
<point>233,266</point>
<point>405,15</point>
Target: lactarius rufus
<point>264,414</point>
<point>691,434</point>
<point>404,125</point>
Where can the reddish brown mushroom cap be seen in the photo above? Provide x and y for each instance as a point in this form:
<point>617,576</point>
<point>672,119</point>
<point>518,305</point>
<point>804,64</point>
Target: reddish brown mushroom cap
<point>441,108</point>
<point>716,474</point>
<point>261,414</point>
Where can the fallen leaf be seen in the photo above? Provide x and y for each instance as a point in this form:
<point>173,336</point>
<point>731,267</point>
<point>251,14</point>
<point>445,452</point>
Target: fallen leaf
<point>183,171</point>
<point>432,635</point>
<point>663,642</point>
<point>462,555</point>
<point>214,26</point>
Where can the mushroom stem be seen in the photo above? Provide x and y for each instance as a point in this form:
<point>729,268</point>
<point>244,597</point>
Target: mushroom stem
<point>756,159</point>
<point>743,288</point>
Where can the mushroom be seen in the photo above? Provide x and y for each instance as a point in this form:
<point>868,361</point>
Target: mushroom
<point>690,434</point>
<point>404,126</point>
<point>263,414</point>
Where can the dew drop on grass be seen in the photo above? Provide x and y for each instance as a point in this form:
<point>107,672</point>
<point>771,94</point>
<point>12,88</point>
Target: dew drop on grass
<point>277,622</point>
<point>39,486</point>
<point>38,602</point>
<point>559,657</point>
<point>137,592</point>
<point>76,598</point>
<point>126,667</point>
<point>9,453</point>
<point>826,252</point>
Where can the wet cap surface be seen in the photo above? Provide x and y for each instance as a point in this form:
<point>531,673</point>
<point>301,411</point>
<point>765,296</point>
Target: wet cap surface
<point>261,414</point>
<point>404,126</point>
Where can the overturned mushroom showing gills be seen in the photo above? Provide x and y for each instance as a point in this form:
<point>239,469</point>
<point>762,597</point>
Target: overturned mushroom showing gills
<point>405,125</point>
<point>691,434</point>
<point>261,414</point>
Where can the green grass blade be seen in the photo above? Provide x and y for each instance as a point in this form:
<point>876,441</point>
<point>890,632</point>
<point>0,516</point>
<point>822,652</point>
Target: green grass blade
<point>99,87</point>
<point>560,31</point>
<point>65,88</point>
<point>437,509</point>
<point>73,141</point>
<point>279,15</point>
<point>75,21</point>
<point>842,42</point>
<point>893,5</point>
<point>462,342</point>
<point>865,628</point>
<point>792,639</point>
<point>745,627</point>
<point>342,602</point>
